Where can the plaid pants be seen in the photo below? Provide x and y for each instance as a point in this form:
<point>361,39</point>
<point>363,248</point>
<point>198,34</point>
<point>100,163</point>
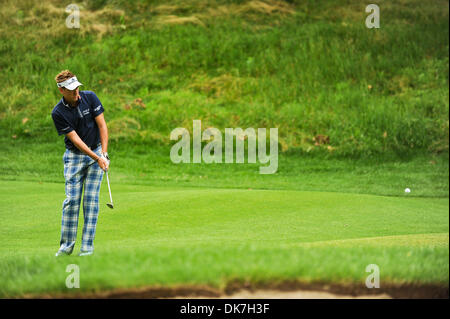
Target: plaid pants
<point>80,170</point>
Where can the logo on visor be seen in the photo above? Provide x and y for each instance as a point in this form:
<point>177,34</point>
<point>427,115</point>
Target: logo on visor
<point>67,82</point>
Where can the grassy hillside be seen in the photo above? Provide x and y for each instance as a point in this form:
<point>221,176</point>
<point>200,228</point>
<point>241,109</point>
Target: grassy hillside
<point>306,67</point>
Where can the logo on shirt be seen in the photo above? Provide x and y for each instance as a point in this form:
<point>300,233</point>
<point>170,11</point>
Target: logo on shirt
<point>97,108</point>
<point>86,112</point>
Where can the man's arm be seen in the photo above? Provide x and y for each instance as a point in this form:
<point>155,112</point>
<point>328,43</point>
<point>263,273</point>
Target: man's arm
<point>100,120</point>
<point>78,142</point>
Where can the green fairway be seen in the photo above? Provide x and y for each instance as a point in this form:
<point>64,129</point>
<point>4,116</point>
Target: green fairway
<point>168,236</point>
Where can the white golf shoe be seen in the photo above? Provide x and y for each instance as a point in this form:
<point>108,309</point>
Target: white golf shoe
<point>85,253</point>
<point>60,253</point>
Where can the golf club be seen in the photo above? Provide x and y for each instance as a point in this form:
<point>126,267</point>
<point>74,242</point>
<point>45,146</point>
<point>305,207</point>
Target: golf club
<point>110,205</point>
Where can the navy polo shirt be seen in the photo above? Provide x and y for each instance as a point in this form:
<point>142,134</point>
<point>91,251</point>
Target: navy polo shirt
<point>80,118</point>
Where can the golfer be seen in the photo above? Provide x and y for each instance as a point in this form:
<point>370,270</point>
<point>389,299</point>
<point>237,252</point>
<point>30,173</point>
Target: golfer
<point>79,116</point>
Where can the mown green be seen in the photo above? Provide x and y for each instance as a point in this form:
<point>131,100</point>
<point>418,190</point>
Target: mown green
<point>172,236</point>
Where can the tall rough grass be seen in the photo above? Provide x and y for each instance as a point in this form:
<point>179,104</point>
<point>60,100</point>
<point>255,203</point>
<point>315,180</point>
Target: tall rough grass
<point>309,68</point>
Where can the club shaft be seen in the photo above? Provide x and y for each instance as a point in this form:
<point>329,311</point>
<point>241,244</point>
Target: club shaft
<point>109,187</point>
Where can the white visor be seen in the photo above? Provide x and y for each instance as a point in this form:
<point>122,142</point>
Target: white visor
<point>70,84</point>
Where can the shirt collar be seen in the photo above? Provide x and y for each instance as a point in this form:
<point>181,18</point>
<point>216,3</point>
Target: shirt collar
<point>67,104</point>
<point>64,102</point>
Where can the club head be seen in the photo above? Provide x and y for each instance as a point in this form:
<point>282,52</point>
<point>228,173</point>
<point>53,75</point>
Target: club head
<point>110,205</point>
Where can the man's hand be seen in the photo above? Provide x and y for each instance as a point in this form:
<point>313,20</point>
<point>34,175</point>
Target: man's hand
<point>103,162</point>
<point>106,157</point>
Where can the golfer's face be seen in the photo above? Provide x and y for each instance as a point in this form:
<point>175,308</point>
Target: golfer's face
<point>71,96</point>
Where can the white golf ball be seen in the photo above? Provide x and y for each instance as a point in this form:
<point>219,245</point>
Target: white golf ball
<point>407,190</point>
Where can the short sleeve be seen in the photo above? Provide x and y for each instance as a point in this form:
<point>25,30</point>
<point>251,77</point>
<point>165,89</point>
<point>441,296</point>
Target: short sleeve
<point>62,126</point>
<point>96,105</point>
